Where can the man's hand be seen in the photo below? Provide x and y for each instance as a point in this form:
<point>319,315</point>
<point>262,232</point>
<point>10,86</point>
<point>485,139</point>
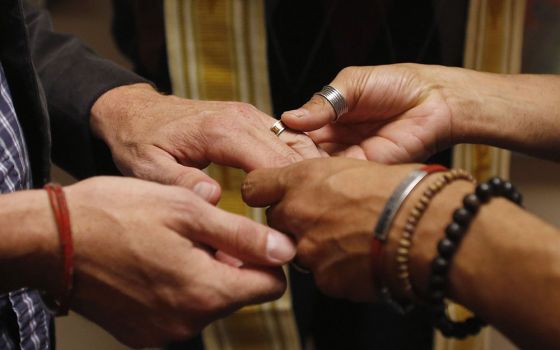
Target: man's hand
<point>397,114</point>
<point>144,259</point>
<point>168,139</point>
<point>330,206</point>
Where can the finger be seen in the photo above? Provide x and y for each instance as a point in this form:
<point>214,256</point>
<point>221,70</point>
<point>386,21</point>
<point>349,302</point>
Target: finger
<point>243,238</point>
<point>385,151</point>
<point>228,259</point>
<point>355,151</point>
<point>163,168</point>
<point>251,285</point>
<point>275,220</point>
<point>318,112</point>
<point>301,143</point>
<point>324,154</point>
<point>336,133</point>
<point>258,148</point>
<point>314,114</point>
<point>334,148</point>
<point>262,187</point>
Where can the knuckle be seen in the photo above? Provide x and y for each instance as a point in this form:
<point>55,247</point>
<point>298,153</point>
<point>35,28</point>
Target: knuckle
<point>296,215</point>
<point>284,158</point>
<point>241,109</point>
<point>307,252</point>
<point>299,173</point>
<point>304,140</point>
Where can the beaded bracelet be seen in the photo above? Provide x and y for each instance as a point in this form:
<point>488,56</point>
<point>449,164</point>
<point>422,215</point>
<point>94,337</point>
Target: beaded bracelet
<point>447,247</point>
<point>382,229</point>
<point>418,210</point>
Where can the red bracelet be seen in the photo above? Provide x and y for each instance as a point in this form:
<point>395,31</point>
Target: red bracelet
<point>62,217</point>
<point>377,256</point>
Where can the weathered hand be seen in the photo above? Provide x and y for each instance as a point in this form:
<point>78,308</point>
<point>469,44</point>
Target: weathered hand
<point>397,114</point>
<point>330,206</point>
<point>166,138</point>
<point>144,263</point>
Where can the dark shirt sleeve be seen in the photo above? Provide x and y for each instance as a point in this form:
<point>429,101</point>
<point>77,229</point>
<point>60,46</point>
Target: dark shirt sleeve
<point>73,77</point>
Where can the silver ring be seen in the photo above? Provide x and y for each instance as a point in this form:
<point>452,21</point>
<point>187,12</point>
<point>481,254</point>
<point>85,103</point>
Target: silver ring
<point>278,128</point>
<point>335,99</point>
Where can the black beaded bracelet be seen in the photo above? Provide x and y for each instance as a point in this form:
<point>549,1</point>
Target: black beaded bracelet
<point>447,247</point>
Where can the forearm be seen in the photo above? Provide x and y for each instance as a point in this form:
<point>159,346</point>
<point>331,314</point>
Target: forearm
<point>506,269</point>
<point>28,241</point>
<point>517,112</point>
<point>73,77</point>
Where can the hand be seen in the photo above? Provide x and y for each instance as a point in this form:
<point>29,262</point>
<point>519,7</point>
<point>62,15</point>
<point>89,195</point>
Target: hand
<point>144,268</point>
<point>165,138</point>
<point>397,114</point>
<point>330,206</point>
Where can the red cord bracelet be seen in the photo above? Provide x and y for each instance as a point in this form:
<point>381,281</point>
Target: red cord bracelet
<point>62,217</point>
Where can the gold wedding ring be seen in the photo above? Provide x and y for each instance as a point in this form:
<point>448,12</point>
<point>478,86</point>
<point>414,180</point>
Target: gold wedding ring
<point>278,128</point>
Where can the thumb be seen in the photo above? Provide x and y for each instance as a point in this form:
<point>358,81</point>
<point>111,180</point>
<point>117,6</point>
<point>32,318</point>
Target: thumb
<point>316,113</point>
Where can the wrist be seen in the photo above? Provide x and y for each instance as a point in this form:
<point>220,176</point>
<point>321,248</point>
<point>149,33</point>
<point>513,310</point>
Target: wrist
<point>431,229</point>
<point>460,89</point>
<point>499,110</point>
<point>428,230</point>
<point>30,247</point>
<point>115,108</point>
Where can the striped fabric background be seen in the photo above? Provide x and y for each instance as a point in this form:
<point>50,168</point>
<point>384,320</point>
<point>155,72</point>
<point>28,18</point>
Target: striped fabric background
<point>217,51</point>
<point>493,44</point>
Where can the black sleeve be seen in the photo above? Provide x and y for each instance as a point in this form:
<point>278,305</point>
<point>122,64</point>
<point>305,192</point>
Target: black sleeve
<point>73,77</point>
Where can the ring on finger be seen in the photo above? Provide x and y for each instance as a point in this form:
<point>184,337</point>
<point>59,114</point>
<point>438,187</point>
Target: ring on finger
<point>335,99</point>
<point>278,128</point>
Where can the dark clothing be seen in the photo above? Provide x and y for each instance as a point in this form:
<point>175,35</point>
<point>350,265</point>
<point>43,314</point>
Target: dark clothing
<point>56,75</point>
<point>45,74</point>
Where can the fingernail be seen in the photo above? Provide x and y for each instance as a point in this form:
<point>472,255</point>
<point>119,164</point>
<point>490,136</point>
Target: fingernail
<point>205,190</point>
<point>298,113</point>
<point>279,247</point>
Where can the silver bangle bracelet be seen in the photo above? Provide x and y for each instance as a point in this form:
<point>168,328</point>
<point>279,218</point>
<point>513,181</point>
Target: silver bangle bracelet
<point>395,202</point>
<point>382,228</point>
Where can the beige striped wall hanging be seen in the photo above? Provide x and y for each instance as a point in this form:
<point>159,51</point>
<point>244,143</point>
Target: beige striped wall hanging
<point>217,51</point>
<point>493,44</point>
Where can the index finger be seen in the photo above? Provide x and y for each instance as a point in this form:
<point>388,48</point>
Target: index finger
<point>263,187</point>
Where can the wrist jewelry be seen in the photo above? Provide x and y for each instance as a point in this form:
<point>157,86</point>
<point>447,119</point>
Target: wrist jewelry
<point>384,223</point>
<point>414,216</point>
<point>62,217</point>
<point>447,247</point>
